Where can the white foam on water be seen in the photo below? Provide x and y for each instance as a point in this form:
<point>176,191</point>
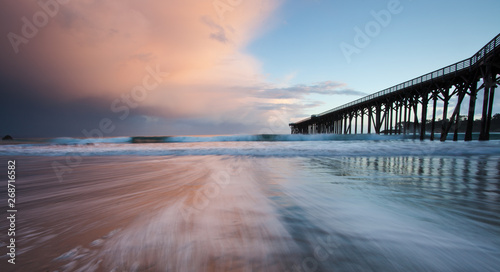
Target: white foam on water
<point>392,147</point>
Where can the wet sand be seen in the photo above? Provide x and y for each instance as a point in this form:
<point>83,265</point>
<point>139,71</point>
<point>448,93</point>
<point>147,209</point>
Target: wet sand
<point>245,213</point>
<point>144,214</point>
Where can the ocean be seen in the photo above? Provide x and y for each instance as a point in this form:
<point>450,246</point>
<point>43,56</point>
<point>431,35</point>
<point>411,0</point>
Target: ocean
<point>252,203</point>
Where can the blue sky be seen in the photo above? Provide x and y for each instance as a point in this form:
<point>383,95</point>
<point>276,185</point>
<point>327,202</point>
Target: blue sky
<point>305,39</point>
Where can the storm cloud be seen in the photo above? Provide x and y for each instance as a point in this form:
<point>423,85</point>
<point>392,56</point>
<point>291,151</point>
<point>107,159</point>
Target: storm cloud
<point>149,67</point>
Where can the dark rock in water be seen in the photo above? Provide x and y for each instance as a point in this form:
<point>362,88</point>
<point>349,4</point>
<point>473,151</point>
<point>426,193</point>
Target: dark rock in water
<point>7,138</point>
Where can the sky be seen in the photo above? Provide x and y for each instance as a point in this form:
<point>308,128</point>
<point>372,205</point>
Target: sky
<point>103,68</point>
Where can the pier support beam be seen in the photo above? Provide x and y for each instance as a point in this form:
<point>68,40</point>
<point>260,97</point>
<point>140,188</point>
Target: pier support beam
<point>401,106</point>
<point>446,99</point>
<point>457,124</point>
<point>370,120</point>
<point>356,122</point>
<point>341,125</point>
<point>391,116</point>
<point>362,120</point>
<point>405,126</point>
<point>425,101</point>
<point>472,109</point>
<point>415,116</point>
<point>489,92</point>
<point>346,127</point>
<point>351,126</point>
<point>433,124</point>
<point>444,134</point>
<point>377,119</point>
<point>483,135</point>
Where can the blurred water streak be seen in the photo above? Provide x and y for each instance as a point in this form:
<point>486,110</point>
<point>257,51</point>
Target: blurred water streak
<point>252,213</point>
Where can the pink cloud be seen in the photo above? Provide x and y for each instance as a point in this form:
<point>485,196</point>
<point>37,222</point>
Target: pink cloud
<point>100,49</point>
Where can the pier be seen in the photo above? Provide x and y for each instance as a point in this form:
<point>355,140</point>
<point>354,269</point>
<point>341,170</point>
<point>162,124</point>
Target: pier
<point>404,108</point>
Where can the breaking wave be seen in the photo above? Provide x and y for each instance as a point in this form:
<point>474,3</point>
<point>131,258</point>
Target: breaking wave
<point>225,138</point>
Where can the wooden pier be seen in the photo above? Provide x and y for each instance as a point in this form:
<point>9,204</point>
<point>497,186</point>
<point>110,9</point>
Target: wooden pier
<point>404,108</point>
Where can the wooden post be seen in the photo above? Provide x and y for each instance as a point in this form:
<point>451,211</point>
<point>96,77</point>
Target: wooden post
<point>446,98</point>
<point>387,123</point>
<point>415,118</point>
<point>462,92</point>
<point>472,109</point>
<point>461,96</point>
<point>391,111</point>
<point>362,120</point>
<point>489,85</point>
<point>377,119</point>
<point>370,120</point>
<point>457,124</point>
<point>356,122</point>
<point>405,127</point>
<point>425,101</point>
<point>400,116</point>
<point>396,108</point>
<point>490,111</point>
<point>483,135</point>
<point>345,124</point>
<point>433,125</point>
<point>350,123</point>
<point>341,123</point>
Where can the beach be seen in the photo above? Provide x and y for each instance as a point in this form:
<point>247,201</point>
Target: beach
<point>256,213</point>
